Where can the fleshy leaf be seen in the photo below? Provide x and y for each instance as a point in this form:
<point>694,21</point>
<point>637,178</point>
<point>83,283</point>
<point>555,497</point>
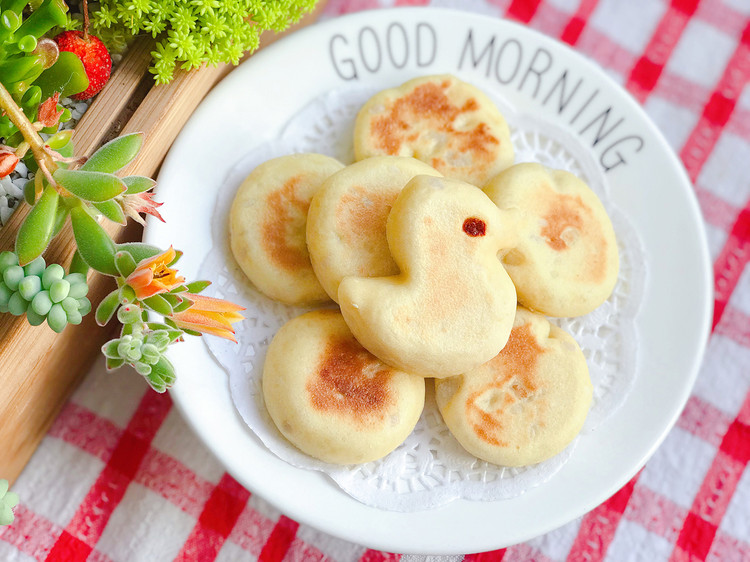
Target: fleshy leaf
<point>159,304</point>
<point>163,375</point>
<point>112,210</point>
<point>124,262</point>
<point>109,349</point>
<point>127,294</point>
<point>139,250</point>
<point>36,231</point>
<point>29,192</point>
<point>138,184</point>
<point>94,244</point>
<point>115,155</point>
<point>66,76</point>
<point>197,286</point>
<point>184,305</point>
<point>77,265</point>
<point>60,217</point>
<point>107,308</point>
<point>113,364</point>
<point>90,186</point>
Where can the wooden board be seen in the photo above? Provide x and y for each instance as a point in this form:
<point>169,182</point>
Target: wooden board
<point>38,368</point>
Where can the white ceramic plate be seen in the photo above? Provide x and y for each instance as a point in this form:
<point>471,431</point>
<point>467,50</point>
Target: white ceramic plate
<point>540,76</point>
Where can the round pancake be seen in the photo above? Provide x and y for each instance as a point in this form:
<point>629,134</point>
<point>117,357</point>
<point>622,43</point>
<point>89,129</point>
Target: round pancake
<point>347,216</point>
<point>447,123</point>
<point>267,226</point>
<point>451,307</point>
<point>331,398</point>
<point>566,262</point>
<point>525,405</point>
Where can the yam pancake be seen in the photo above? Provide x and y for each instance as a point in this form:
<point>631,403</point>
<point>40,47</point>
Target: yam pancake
<point>525,405</point>
<point>446,123</point>
<point>267,226</point>
<point>347,216</point>
<point>451,307</point>
<point>566,262</point>
<point>333,399</point>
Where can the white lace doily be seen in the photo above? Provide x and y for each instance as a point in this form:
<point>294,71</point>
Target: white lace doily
<point>430,468</point>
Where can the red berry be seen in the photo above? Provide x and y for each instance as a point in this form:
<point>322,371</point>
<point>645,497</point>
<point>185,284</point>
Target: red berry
<point>94,56</point>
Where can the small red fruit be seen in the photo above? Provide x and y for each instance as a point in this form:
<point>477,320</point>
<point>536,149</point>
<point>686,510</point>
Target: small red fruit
<point>94,56</point>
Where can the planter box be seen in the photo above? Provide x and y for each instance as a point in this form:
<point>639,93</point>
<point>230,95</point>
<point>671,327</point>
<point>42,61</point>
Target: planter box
<point>39,369</point>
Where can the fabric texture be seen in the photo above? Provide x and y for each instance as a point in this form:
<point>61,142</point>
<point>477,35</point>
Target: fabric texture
<point>120,476</point>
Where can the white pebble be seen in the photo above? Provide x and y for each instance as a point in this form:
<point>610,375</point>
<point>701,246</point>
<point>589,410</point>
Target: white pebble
<point>15,189</point>
<point>5,210</point>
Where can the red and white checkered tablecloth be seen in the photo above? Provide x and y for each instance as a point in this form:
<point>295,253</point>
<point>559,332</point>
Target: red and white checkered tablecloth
<point>121,477</point>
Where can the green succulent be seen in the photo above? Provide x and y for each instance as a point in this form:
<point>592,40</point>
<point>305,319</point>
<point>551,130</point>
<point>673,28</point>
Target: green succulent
<point>8,500</point>
<point>191,33</point>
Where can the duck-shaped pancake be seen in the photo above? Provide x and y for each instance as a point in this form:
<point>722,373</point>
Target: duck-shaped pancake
<point>452,306</point>
<point>347,216</point>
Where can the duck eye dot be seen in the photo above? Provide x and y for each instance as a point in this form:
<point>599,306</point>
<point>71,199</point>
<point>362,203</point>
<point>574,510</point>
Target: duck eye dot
<point>475,227</point>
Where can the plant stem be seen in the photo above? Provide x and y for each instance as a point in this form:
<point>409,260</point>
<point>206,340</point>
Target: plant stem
<point>85,20</point>
<point>30,135</point>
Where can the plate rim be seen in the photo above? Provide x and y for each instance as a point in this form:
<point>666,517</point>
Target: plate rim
<point>633,107</point>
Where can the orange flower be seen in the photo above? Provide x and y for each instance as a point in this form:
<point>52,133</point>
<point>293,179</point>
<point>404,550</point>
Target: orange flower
<point>209,316</point>
<point>48,115</point>
<point>137,203</point>
<point>153,275</point>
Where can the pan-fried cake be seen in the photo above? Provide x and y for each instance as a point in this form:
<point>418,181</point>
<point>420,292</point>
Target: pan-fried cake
<point>451,307</point>
<point>525,405</point>
<point>333,399</point>
<point>446,123</point>
<point>347,217</point>
<point>267,226</point>
<point>566,262</point>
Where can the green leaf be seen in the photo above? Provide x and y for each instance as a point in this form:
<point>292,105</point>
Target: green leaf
<point>17,68</point>
<point>56,318</point>
<point>124,262</point>
<point>90,186</point>
<point>116,154</point>
<point>162,375</point>
<point>107,308</point>
<point>184,305</point>
<point>59,140</point>
<point>127,294</point>
<point>138,184</point>
<point>66,76</point>
<point>29,192</point>
<point>158,304</point>
<point>172,299</point>
<point>36,231</point>
<point>112,210</point>
<point>197,286</point>
<point>94,244</point>
<point>139,250</point>
<point>60,217</point>
<point>177,256</point>
<point>109,349</point>
<point>77,265</point>
<point>113,364</point>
